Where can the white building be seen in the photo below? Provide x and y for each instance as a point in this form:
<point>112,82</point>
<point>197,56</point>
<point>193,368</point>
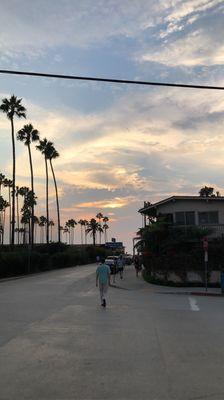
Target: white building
<point>204,212</point>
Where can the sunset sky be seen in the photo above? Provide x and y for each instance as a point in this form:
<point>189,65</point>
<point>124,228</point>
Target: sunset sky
<point>119,145</point>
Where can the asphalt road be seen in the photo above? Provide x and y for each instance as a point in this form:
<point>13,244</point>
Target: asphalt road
<point>58,343</point>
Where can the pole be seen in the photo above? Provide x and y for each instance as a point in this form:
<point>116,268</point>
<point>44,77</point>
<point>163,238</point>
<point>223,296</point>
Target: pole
<point>206,271</point>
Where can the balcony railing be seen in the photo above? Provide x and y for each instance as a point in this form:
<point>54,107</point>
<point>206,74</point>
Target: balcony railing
<point>217,230</point>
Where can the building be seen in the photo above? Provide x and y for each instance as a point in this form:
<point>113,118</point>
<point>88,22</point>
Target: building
<point>184,211</point>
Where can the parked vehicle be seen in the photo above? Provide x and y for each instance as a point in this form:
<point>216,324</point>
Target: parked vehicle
<point>128,259</point>
<point>112,262</point>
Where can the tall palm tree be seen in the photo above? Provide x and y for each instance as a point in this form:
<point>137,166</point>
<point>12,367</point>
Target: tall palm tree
<point>52,155</point>
<point>27,135</point>
<point>93,227</point>
<point>12,107</point>
<point>99,216</point>
<point>105,227</point>
<point>45,148</point>
<point>9,184</point>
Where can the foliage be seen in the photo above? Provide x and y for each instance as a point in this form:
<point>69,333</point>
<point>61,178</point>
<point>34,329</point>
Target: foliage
<point>206,191</point>
<point>45,257</point>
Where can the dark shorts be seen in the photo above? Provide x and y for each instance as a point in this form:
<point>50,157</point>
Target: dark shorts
<point>120,269</point>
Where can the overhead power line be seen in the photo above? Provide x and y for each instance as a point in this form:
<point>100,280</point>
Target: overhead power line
<point>109,80</point>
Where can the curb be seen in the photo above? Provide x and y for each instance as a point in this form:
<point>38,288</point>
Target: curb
<point>210,294</point>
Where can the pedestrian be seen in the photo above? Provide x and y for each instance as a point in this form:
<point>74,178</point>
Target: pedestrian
<point>120,263</point>
<point>138,265</point>
<point>103,280</point>
<point>97,259</point>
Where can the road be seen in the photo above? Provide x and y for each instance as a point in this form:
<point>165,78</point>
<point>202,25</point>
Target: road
<point>58,343</point>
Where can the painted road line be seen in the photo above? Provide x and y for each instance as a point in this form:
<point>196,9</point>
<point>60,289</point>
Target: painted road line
<point>193,304</point>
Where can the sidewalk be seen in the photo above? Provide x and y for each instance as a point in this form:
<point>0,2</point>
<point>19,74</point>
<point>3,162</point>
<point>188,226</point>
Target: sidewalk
<point>131,282</point>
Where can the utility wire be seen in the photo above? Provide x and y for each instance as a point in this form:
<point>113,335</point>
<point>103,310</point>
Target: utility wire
<point>109,80</point>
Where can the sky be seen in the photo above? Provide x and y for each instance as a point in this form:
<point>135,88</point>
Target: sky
<point>119,145</point>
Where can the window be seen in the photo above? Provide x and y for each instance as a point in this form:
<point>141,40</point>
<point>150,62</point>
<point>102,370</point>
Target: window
<point>190,218</point>
<point>180,218</point>
<point>185,218</point>
<point>209,217</point>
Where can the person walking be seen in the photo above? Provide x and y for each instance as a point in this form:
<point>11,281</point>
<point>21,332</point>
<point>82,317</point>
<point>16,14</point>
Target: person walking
<point>120,264</point>
<point>138,265</point>
<point>103,280</point>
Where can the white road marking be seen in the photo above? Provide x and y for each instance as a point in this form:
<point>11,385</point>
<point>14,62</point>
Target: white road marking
<point>193,304</point>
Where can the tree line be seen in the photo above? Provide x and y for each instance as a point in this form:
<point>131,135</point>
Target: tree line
<point>23,221</point>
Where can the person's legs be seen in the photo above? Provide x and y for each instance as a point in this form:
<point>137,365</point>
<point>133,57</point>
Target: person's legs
<point>101,292</point>
<point>104,293</point>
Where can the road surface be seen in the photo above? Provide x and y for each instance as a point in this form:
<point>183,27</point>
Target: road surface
<point>57,343</point>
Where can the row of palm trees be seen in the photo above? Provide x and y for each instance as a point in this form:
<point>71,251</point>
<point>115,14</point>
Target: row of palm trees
<point>13,107</point>
<point>23,225</point>
<point>92,227</point>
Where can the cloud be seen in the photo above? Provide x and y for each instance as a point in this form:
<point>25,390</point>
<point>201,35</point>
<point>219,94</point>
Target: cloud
<point>107,204</point>
<point>32,28</point>
<point>190,36</point>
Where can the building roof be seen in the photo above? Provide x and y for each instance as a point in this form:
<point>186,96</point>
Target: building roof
<point>177,198</point>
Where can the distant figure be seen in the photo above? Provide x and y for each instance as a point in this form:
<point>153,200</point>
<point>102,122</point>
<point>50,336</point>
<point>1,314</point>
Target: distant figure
<point>120,264</point>
<point>97,259</point>
<point>138,264</point>
<point>103,279</point>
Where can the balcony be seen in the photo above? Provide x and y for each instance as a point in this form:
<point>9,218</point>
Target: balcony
<point>217,230</point>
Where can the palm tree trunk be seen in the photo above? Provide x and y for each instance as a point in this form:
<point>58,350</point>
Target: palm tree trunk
<point>32,188</point>
<point>35,233</point>
<point>10,217</point>
<point>57,202</point>
<point>47,205</point>
<point>81,235</point>
<point>94,239</point>
<point>17,206</point>
<point>3,228</point>
<point>13,184</point>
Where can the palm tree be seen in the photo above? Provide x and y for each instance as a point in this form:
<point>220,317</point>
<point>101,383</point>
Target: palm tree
<point>22,191</point>
<point>42,223</point>
<point>66,231</point>
<point>3,205</point>
<point>13,107</point>
<point>45,148</point>
<point>8,183</point>
<point>70,224</point>
<point>29,203</point>
<point>17,212</point>
<point>93,227</point>
<point>105,227</point>
<point>2,178</point>
<point>52,155</point>
<point>27,135</point>
<point>82,224</point>
<point>99,216</point>
<point>85,224</point>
